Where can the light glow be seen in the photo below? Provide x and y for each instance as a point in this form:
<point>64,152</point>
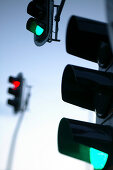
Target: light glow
<point>98,158</point>
<point>16,84</point>
<point>39,30</point>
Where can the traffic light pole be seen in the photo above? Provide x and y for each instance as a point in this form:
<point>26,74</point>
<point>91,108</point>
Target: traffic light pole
<point>16,131</point>
<point>13,142</point>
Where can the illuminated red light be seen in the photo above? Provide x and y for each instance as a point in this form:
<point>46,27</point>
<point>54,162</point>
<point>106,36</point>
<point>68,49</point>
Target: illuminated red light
<point>16,84</point>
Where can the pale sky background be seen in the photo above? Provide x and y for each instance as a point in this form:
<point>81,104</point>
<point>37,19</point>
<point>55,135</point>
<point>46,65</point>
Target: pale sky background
<point>36,146</point>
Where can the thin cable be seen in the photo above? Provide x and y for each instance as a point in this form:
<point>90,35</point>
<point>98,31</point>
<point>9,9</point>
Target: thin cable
<point>13,143</point>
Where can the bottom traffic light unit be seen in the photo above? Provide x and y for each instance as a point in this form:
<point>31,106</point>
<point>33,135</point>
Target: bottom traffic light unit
<point>85,141</point>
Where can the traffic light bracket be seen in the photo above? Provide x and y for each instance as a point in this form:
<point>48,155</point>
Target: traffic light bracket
<point>59,9</point>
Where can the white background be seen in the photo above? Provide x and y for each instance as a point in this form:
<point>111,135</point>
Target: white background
<point>36,146</point>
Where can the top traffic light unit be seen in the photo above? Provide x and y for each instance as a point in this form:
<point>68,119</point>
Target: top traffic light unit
<point>42,22</point>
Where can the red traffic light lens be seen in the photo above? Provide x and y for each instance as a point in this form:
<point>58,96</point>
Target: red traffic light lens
<point>16,84</point>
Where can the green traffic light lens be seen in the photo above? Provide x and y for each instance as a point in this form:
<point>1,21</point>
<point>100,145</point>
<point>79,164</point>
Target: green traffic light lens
<point>98,158</point>
<point>39,30</point>
<point>33,26</point>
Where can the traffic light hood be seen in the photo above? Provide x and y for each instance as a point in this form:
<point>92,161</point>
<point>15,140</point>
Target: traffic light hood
<point>85,141</point>
<point>87,88</point>
<point>84,38</point>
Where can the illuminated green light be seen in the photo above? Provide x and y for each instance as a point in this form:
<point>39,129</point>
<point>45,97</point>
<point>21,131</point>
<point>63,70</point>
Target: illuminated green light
<point>98,158</point>
<point>33,26</point>
<point>39,30</point>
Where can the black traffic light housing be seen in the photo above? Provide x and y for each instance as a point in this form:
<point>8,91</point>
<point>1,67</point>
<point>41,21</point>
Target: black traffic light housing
<point>83,87</point>
<point>89,89</point>
<point>42,22</point>
<point>16,91</point>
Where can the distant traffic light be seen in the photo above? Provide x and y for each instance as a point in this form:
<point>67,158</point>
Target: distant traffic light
<point>42,23</point>
<point>88,142</point>
<point>88,39</point>
<point>16,91</point>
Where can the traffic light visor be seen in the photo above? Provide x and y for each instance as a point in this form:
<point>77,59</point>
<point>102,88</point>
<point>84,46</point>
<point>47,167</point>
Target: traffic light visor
<point>84,141</point>
<point>87,88</point>
<point>34,27</point>
<point>84,37</point>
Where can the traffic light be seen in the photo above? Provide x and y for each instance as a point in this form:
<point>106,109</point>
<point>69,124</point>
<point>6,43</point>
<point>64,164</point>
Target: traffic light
<point>16,91</point>
<point>89,89</point>
<point>88,142</point>
<point>41,23</point>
